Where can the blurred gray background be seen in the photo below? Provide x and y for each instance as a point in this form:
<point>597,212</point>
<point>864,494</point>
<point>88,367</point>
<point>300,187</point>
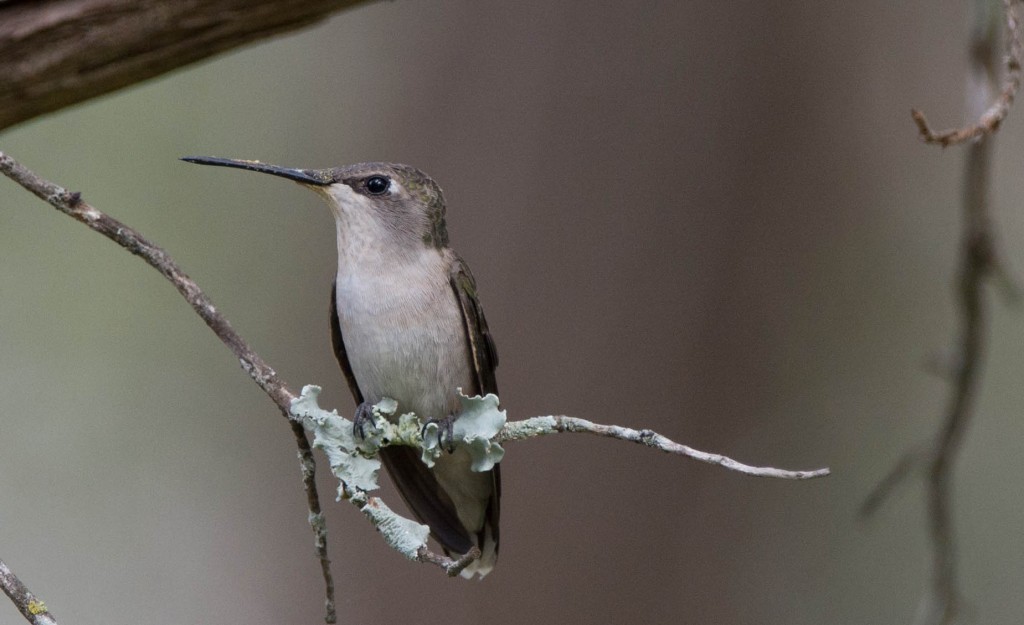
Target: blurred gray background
<point>713,219</point>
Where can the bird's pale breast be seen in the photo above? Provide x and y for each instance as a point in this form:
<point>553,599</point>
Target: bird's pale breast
<point>405,338</point>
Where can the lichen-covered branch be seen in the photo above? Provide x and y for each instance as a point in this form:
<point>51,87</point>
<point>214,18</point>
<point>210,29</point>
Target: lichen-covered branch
<point>989,120</point>
<point>480,429</point>
<point>405,536</point>
<point>29,605</point>
<point>356,465</point>
<point>57,53</point>
<point>482,432</point>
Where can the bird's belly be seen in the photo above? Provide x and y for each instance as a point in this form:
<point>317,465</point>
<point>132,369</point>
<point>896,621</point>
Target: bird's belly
<point>411,349</point>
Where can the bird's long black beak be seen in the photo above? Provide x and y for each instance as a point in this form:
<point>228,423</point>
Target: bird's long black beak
<point>318,177</point>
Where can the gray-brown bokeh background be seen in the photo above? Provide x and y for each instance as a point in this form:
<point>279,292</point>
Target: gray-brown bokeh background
<point>713,219</point>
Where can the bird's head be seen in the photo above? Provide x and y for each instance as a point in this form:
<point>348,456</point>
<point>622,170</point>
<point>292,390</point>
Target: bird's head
<point>398,204</point>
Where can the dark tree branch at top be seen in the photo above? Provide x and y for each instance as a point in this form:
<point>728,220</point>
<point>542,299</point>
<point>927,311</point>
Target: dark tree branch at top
<point>57,53</point>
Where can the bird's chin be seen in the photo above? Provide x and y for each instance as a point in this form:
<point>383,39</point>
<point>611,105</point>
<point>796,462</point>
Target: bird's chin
<point>326,195</point>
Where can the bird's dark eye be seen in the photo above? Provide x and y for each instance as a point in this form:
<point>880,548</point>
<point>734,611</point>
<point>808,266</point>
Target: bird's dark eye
<point>377,185</point>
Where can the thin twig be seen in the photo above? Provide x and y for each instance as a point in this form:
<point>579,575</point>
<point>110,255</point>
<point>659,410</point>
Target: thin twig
<point>29,605</point>
<point>536,426</point>
<point>978,263</point>
<point>307,465</point>
<point>71,204</point>
<point>451,566</point>
<point>977,255</point>
<point>896,476</point>
<point>975,266</point>
<point>989,121</point>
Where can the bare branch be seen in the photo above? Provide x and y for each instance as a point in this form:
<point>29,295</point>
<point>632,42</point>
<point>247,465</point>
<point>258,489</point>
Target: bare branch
<point>450,566</point>
<point>975,267</point>
<point>316,519</point>
<point>57,53</point>
<point>989,120</point>
<point>29,605</point>
<point>71,204</point>
<point>896,476</point>
<point>537,426</point>
<point>978,264</point>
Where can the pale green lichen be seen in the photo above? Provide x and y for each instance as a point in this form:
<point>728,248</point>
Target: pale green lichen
<point>353,459</point>
<point>528,428</point>
<point>387,430</point>
<point>333,434</point>
<point>474,428</point>
<point>355,463</point>
<point>36,607</point>
<point>400,533</point>
<point>317,522</point>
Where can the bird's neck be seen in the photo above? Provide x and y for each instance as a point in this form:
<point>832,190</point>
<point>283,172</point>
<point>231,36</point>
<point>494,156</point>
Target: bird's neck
<point>369,256</point>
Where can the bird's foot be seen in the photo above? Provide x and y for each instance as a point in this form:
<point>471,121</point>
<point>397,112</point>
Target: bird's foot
<point>362,419</point>
<point>445,432</point>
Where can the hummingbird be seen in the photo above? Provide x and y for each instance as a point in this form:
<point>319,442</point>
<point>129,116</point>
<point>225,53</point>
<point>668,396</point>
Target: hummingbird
<point>406,323</point>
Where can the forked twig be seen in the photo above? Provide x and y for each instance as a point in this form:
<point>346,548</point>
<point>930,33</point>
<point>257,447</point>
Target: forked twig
<point>978,264</point>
